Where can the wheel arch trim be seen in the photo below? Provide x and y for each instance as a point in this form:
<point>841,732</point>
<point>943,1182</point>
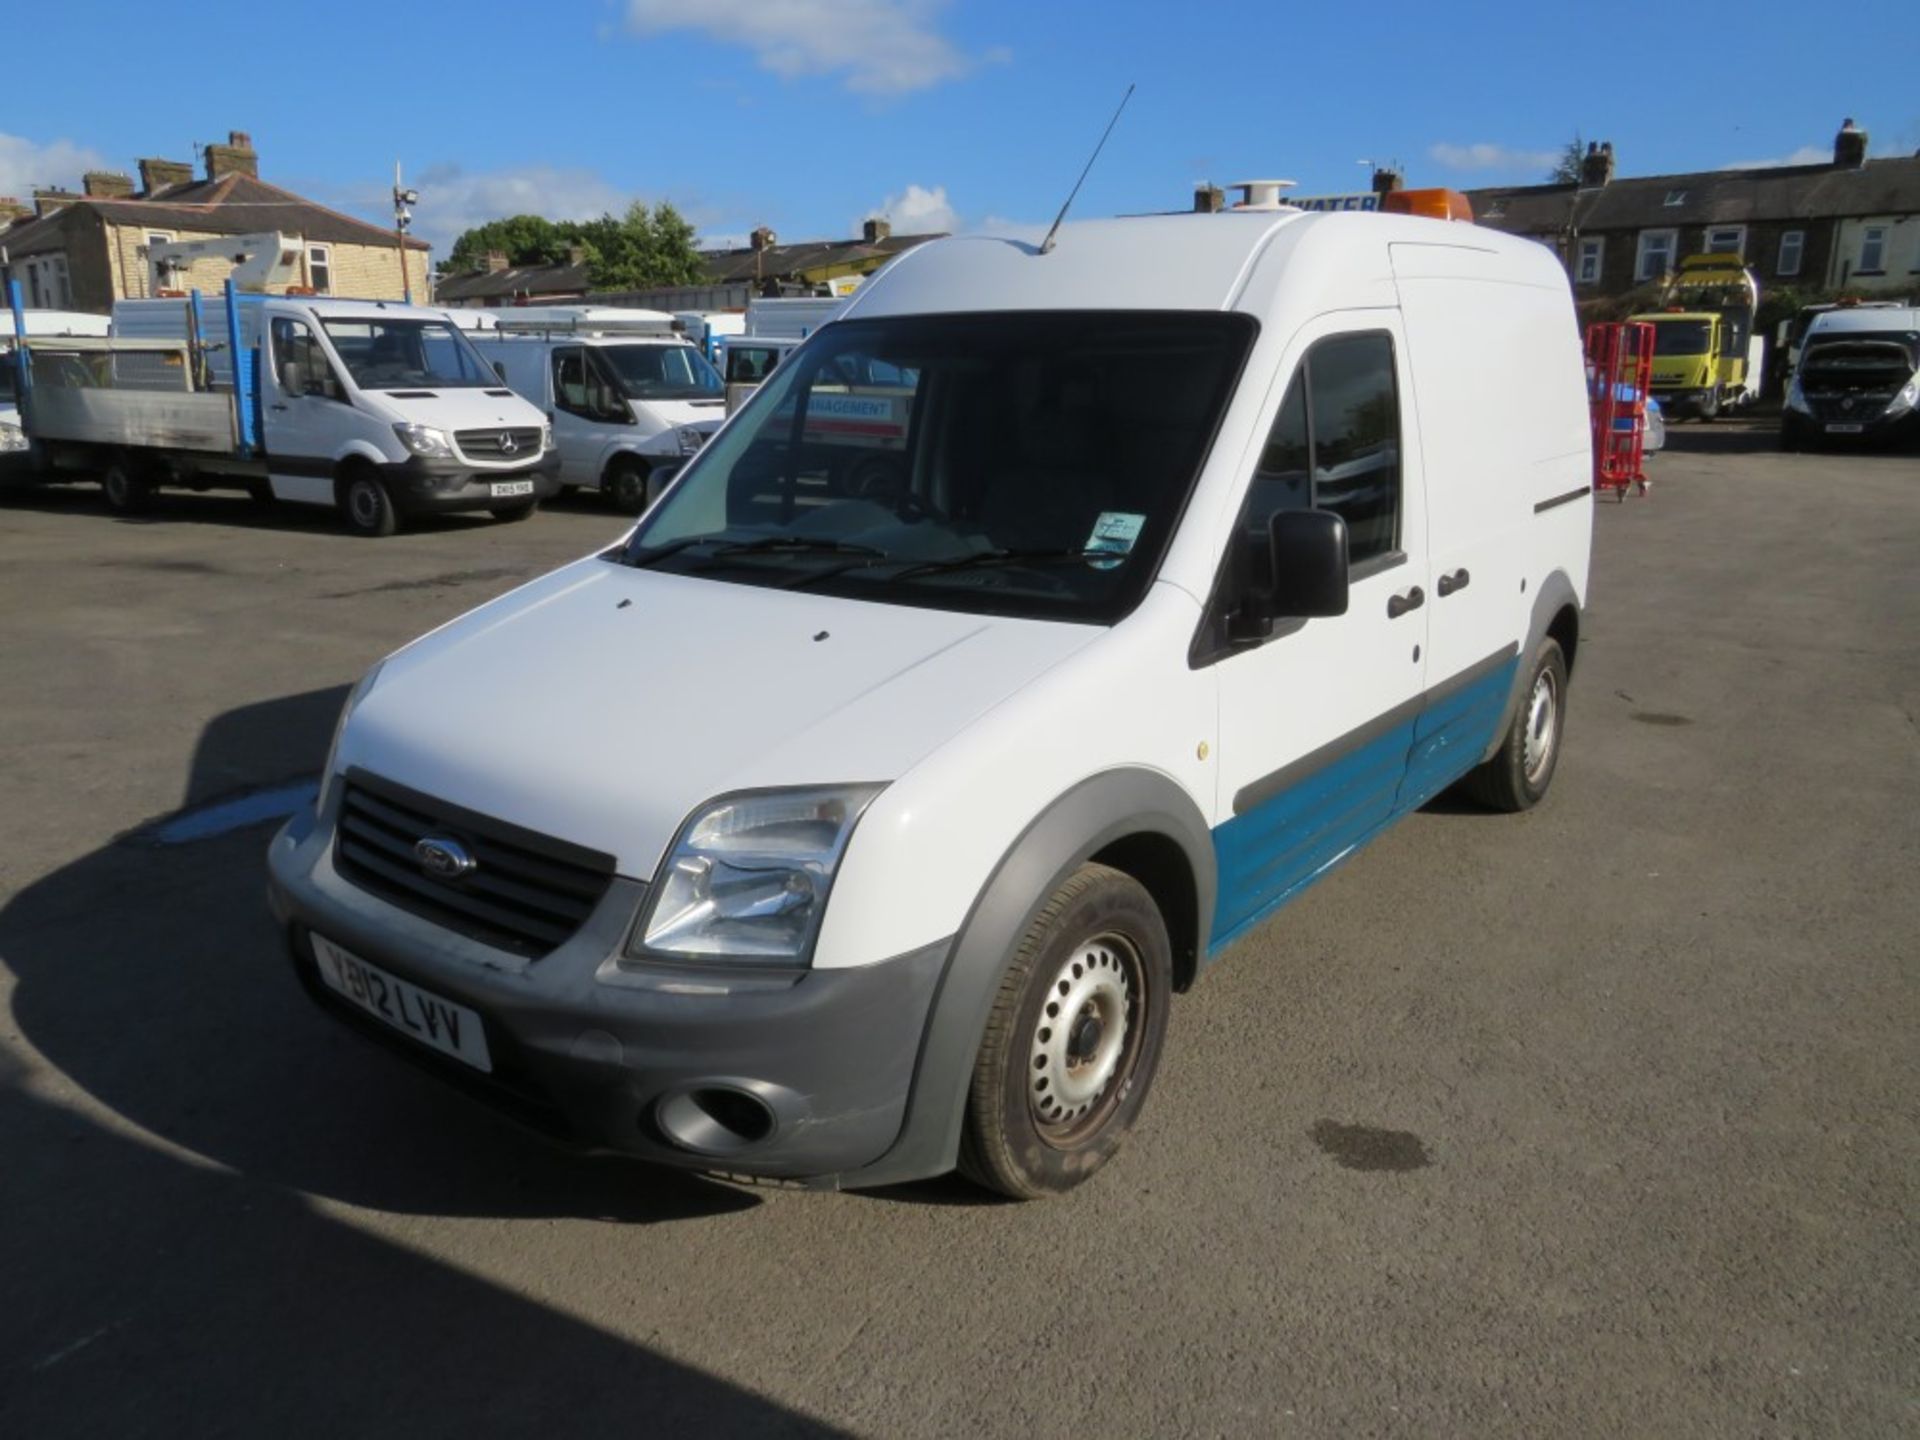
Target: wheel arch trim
<point>1084,821</point>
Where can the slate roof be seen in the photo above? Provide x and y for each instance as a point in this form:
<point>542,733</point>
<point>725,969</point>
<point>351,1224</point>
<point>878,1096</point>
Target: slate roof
<point>1707,197</point>
<point>560,279</point>
<point>235,204</point>
<point>724,267</point>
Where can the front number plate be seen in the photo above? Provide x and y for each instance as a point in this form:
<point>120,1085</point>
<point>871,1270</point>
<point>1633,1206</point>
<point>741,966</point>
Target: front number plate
<point>1845,429</point>
<point>449,1028</point>
<point>504,488</point>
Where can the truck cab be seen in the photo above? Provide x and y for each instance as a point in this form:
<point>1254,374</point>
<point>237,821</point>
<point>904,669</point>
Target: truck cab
<point>1706,356</point>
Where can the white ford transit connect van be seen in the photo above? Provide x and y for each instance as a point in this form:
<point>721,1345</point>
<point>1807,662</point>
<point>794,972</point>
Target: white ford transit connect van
<point>1041,626</point>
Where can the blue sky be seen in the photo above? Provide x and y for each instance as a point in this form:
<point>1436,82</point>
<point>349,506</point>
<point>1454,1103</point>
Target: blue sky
<point>809,115</point>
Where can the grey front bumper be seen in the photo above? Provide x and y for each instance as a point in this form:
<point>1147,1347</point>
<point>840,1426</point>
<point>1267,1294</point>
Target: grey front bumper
<point>623,1058</point>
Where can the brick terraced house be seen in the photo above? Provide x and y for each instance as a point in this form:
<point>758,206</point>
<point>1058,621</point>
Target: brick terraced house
<point>1850,223</point>
<point>84,250</point>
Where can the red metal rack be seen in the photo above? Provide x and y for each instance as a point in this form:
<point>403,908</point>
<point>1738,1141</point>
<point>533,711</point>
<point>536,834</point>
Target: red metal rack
<point>1619,371</point>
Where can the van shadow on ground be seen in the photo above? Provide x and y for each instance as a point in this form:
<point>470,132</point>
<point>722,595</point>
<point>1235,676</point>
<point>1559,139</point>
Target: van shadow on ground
<point>153,1292</point>
<point>153,977</point>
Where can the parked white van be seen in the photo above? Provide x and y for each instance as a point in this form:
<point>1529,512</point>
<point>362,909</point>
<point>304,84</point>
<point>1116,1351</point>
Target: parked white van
<point>902,798</point>
<point>612,390</point>
<point>13,439</point>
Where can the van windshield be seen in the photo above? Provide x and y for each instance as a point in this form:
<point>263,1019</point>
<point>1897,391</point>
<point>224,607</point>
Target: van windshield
<point>1682,337</point>
<point>1030,464</point>
<point>384,354</point>
<point>662,372</point>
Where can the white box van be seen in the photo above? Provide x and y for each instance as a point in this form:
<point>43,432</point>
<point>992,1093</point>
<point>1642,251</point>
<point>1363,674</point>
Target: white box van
<point>910,782</point>
<point>610,395</point>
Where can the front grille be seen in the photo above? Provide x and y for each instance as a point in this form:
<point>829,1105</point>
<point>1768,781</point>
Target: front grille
<point>527,893</point>
<point>507,443</point>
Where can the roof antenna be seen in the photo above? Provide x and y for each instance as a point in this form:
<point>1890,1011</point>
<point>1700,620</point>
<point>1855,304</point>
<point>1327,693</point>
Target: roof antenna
<point>1046,245</point>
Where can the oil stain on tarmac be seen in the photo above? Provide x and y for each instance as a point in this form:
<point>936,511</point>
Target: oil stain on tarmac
<point>1362,1147</point>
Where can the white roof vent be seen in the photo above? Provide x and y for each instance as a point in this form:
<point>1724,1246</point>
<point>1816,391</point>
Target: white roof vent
<point>1259,194</point>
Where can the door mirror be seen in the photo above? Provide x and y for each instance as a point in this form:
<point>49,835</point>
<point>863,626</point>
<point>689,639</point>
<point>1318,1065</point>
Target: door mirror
<point>293,378</point>
<point>1305,553</point>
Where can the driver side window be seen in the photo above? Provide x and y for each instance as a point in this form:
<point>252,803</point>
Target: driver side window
<point>570,381</point>
<point>293,343</point>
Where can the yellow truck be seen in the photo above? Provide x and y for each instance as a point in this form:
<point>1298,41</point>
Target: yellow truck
<point>1706,356</point>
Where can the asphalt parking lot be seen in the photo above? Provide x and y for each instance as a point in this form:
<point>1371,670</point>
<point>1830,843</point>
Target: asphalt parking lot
<point>1599,1120</point>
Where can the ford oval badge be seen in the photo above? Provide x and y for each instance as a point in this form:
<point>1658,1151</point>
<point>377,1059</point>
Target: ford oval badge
<point>443,859</point>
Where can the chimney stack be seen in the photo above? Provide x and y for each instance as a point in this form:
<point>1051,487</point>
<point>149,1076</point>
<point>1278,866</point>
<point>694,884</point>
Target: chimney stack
<point>496,261</point>
<point>236,157</point>
<point>156,175</point>
<point>11,210</point>
<point>107,184</point>
<point>45,202</point>
<point>576,254</point>
<point>1596,166</point>
<point>1850,146</point>
<point>875,230</point>
<point>1385,182</point>
<point>1208,199</point>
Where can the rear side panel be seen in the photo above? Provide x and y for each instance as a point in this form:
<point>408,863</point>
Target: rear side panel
<point>1498,384</point>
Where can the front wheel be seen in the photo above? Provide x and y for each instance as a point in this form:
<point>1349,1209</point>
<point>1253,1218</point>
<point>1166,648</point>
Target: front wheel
<point>626,486</point>
<point>367,507</point>
<point>1073,1040</point>
<point>1518,775</point>
<point>125,492</point>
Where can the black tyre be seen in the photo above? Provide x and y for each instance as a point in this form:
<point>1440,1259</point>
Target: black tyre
<point>567,492</point>
<point>1073,1040</point>
<point>260,492</point>
<point>1709,407</point>
<point>625,486</point>
<point>126,493</point>
<point>511,513</point>
<point>366,506</point>
<point>1517,777</point>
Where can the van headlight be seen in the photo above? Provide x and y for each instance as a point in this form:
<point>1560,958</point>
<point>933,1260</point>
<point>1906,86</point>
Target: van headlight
<point>1797,398</point>
<point>748,877</point>
<point>12,437</point>
<point>690,439</point>
<point>328,779</point>
<point>1908,397</point>
<point>546,438</point>
<point>425,441</point>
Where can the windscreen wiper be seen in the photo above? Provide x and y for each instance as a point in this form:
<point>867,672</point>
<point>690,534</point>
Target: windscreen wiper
<point>798,545</point>
<point>985,559</point>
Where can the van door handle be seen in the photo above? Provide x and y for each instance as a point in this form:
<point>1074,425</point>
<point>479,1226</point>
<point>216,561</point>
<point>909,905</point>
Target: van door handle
<point>1450,583</point>
<point>1398,605</point>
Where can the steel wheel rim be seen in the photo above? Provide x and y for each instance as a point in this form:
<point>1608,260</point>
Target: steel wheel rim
<point>364,503</point>
<point>1085,1040</point>
<point>116,486</point>
<point>1543,726</point>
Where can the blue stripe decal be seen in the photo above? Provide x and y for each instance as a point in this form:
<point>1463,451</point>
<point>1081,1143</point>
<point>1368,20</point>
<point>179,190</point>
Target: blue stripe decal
<point>1269,854</point>
<point>1452,734</point>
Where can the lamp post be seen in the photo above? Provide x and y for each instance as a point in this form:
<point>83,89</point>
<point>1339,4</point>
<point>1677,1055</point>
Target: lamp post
<point>403,201</point>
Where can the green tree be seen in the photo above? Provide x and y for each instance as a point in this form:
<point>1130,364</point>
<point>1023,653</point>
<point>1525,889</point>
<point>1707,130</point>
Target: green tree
<point>524,239</point>
<point>1566,170</point>
<point>644,248</point>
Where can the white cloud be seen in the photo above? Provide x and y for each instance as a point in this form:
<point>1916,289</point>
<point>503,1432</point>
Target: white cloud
<point>884,47</point>
<point>26,165</point>
<point>1805,155</point>
<point>1484,156</point>
<point>453,199</point>
<point>917,211</point>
